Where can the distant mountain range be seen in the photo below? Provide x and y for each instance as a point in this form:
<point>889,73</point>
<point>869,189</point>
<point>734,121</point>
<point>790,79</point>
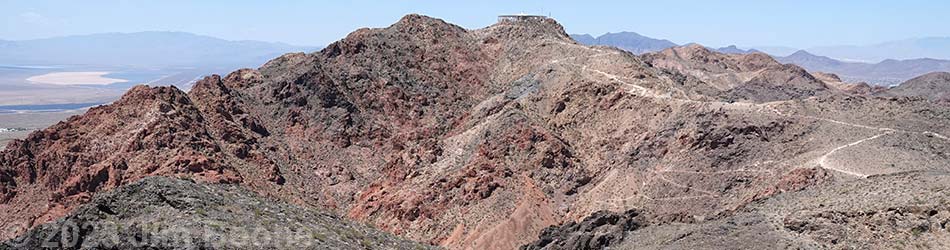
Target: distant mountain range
<point>732,49</point>
<point>887,72</point>
<point>911,56</point>
<point>639,44</point>
<point>629,41</point>
<point>142,49</point>
<point>930,47</point>
<point>776,50</point>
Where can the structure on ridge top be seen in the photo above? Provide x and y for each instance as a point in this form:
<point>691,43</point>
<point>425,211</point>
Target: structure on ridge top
<point>520,17</point>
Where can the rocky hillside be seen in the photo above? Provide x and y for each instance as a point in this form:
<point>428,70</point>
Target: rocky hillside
<point>166,213</point>
<point>905,211</point>
<point>754,77</point>
<point>598,231</point>
<point>934,86</point>
<point>481,139</point>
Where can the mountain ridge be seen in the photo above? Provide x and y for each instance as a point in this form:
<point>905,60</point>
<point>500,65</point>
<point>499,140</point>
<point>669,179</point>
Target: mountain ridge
<point>733,49</point>
<point>630,41</point>
<point>887,72</point>
<point>913,48</point>
<point>483,138</point>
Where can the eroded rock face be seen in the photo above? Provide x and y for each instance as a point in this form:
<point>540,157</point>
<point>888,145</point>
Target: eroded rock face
<point>480,139</point>
<point>150,131</point>
<point>597,231</point>
<point>7,185</point>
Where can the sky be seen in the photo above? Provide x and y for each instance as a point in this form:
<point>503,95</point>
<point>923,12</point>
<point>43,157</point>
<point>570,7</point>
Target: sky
<point>799,24</point>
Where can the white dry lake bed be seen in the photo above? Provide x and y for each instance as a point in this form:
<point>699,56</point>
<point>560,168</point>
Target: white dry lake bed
<point>76,78</point>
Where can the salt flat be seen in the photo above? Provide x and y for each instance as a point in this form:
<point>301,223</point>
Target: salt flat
<point>75,78</point>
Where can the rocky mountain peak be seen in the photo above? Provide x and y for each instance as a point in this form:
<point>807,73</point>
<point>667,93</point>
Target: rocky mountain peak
<point>142,94</point>
<point>425,26</point>
<point>149,131</point>
<point>802,56</point>
<point>479,139</point>
<point>692,50</point>
<point>529,30</point>
<point>802,53</point>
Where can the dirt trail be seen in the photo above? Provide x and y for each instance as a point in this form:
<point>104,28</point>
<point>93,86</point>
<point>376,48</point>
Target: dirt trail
<point>640,90</point>
<point>822,161</point>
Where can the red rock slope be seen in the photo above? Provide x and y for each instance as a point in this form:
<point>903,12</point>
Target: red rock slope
<point>471,139</point>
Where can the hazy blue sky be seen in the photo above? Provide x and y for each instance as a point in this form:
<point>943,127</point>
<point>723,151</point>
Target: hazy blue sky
<point>802,23</point>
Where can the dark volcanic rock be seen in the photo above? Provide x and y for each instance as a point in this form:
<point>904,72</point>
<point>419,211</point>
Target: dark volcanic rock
<point>598,231</point>
<point>167,213</point>
<point>7,185</point>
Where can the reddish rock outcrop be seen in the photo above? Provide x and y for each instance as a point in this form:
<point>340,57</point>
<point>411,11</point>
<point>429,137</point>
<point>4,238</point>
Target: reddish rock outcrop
<point>471,139</point>
<point>149,131</point>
